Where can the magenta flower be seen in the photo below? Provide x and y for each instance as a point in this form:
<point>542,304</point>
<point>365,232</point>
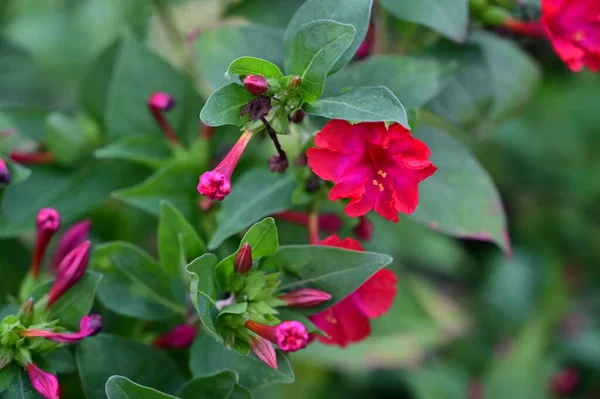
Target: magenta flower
<point>256,84</point>
<point>158,103</point>
<point>44,383</point>
<point>264,351</point>
<point>73,237</point>
<point>216,184</point>
<point>180,336</point>
<point>305,297</point>
<point>48,222</point>
<point>88,326</point>
<point>290,336</point>
<point>71,269</point>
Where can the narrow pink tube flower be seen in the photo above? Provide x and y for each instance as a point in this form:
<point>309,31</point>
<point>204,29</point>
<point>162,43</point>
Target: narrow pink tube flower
<point>48,222</point>
<point>4,173</point>
<point>73,237</point>
<point>180,336</point>
<point>158,103</point>
<point>44,383</point>
<point>264,351</point>
<point>290,336</point>
<point>216,184</point>
<point>305,297</point>
<point>88,326</point>
<point>71,269</point>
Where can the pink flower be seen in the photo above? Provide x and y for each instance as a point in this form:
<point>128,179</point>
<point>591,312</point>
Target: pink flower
<point>71,269</point>
<point>216,184</point>
<point>348,320</point>
<point>256,84</point>
<point>264,351</point>
<point>88,326</point>
<point>305,297</point>
<point>45,383</point>
<point>180,336</point>
<point>73,237</point>
<point>48,222</point>
<point>375,167</point>
<point>290,336</point>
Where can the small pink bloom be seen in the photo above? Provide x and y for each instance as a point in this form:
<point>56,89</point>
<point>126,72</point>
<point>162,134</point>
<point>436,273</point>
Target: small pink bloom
<point>47,222</point>
<point>376,167</point>
<point>71,269</point>
<point>565,382</point>
<point>290,336</point>
<point>256,84</point>
<point>161,101</point>
<point>44,383</point>
<point>216,184</point>
<point>73,237</point>
<point>243,260</point>
<point>348,320</point>
<point>180,336</point>
<point>264,351</point>
<point>305,297</point>
<point>4,173</point>
<point>88,326</point>
<point>364,229</point>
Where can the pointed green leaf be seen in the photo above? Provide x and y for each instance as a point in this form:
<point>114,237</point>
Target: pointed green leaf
<point>118,387</point>
<point>254,66</point>
<point>203,290</point>
<point>221,385</point>
<point>146,150</point>
<point>7,374</point>
<point>224,106</point>
<point>19,386</point>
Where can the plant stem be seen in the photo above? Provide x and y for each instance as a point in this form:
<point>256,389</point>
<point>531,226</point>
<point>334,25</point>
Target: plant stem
<point>273,136</point>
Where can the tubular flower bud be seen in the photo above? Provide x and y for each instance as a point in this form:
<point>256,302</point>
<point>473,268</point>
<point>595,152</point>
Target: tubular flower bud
<point>32,158</point>
<point>158,103</point>
<point>4,173</point>
<point>88,326</point>
<point>256,84</point>
<point>180,336</point>
<point>71,269</point>
<point>44,383</point>
<point>216,184</point>
<point>364,229</point>
<point>73,237</point>
<point>264,351</point>
<point>161,101</point>
<point>48,222</point>
<point>305,297</point>
<point>243,260</point>
<point>290,336</point>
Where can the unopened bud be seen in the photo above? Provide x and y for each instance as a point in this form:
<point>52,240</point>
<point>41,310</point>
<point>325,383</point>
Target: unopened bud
<point>69,272</point>
<point>73,237</point>
<point>256,84</point>
<point>305,297</point>
<point>6,357</point>
<point>264,351</point>
<point>44,383</point>
<point>243,260</point>
<point>297,117</point>
<point>4,173</point>
<point>47,221</point>
<point>180,336</point>
<point>295,82</point>
<point>278,164</point>
<point>88,326</point>
<point>366,47</point>
<point>364,229</point>
<point>161,101</point>
<point>26,311</point>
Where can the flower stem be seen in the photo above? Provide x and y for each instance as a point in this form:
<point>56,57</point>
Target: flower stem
<point>273,136</point>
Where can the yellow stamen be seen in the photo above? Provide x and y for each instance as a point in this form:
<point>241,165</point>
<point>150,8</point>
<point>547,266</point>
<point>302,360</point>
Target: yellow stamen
<point>375,182</point>
<point>382,173</point>
<point>579,36</point>
<point>380,187</point>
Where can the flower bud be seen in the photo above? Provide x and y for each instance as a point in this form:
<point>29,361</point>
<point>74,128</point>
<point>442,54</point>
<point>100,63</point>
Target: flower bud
<point>295,82</point>
<point>243,260</point>
<point>71,269</point>
<point>180,336</point>
<point>47,221</point>
<point>4,173</point>
<point>89,325</point>
<point>32,158</point>
<point>297,117</point>
<point>26,311</point>
<point>256,84</point>
<point>73,237</point>
<point>158,103</point>
<point>364,229</point>
<point>44,383</point>
<point>278,164</point>
<point>264,351</point>
<point>161,101</point>
<point>290,336</point>
<point>565,382</point>
<point>305,297</point>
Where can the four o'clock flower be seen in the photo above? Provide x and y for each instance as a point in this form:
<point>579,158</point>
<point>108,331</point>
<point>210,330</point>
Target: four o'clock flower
<point>256,84</point>
<point>44,383</point>
<point>348,320</point>
<point>70,270</point>
<point>4,173</point>
<point>180,336</point>
<point>305,297</point>
<point>243,260</point>
<point>88,326</point>
<point>290,336</point>
<point>216,184</point>
<point>376,167</point>
<point>73,237</point>
<point>264,351</point>
<point>47,221</point>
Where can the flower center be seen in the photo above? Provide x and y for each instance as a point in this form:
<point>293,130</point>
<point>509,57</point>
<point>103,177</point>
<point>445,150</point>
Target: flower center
<point>579,36</point>
<point>377,183</point>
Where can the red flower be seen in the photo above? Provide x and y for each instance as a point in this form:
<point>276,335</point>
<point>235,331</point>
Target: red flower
<point>348,320</point>
<point>376,167</point>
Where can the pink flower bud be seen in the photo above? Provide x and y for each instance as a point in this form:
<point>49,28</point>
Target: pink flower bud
<point>158,103</point>
<point>4,173</point>
<point>565,382</point>
<point>73,237</point>
<point>364,229</point>
<point>161,101</point>
<point>243,260</point>
<point>366,47</point>
<point>45,383</point>
<point>71,269</point>
<point>180,336</point>
<point>32,158</point>
<point>88,326</point>
<point>305,297</point>
<point>47,221</point>
<point>256,84</point>
<point>264,351</point>
<point>216,184</point>
<point>290,336</point>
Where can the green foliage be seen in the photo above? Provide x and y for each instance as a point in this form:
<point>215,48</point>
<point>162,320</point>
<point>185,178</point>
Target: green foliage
<point>118,387</point>
<point>224,105</point>
<point>254,66</point>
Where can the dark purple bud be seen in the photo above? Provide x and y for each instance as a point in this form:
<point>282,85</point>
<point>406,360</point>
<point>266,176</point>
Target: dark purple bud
<point>297,117</point>
<point>70,270</point>
<point>4,173</point>
<point>257,108</point>
<point>243,260</point>
<point>73,237</point>
<point>256,84</point>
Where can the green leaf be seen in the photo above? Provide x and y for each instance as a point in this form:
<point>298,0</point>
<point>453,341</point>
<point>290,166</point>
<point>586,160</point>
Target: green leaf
<point>146,150</point>
<point>221,385</point>
<point>77,301</point>
<point>118,387</point>
<point>224,106</point>
<point>336,271</point>
<point>134,284</point>
<point>440,381</point>
<point>353,12</point>
<point>19,386</point>
<point>413,80</point>
<point>175,182</point>
<point>256,194</point>
<point>315,49</point>
<point>18,173</point>
<point>6,377</point>
<point>254,66</point>
<point>364,104</point>
<point>174,229</point>
<point>237,308</point>
<point>470,206</point>
<point>66,139</point>
<point>265,12</point>
<point>203,290</point>
<point>59,361</point>
<point>106,355</point>
<point>216,48</point>
<point>208,357</point>
<point>449,17</point>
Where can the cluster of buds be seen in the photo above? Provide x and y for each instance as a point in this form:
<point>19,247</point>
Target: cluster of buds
<point>258,328</point>
<point>32,332</point>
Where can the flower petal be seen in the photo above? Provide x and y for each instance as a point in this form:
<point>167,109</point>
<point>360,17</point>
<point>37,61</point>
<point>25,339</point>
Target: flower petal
<point>376,296</point>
